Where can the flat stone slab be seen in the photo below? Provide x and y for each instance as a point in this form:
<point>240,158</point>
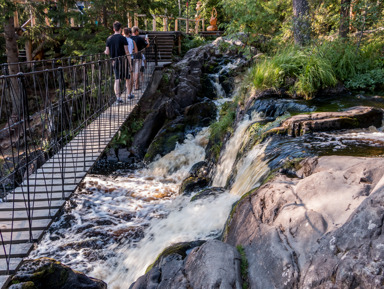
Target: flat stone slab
<point>356,117</point>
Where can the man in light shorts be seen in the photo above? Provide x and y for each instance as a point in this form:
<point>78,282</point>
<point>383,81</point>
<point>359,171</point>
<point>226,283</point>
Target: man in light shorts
<point>141,44</point>
<point>132,48</point>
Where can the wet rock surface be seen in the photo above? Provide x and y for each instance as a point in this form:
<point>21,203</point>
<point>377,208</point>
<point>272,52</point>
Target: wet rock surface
<point>197,179</point>
<point>323,230</point>
<point>46,273</point>
<point>211,265</point>
<point>183,97</point>
<point>356,117</point>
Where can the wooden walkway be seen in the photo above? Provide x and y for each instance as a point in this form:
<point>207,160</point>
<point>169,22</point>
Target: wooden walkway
<point>52,185</point>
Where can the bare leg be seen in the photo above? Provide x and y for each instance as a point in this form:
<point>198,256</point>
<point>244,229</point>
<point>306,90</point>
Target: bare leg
<point>136,76</point>
<point>117,88</point>
<point>129,85</point>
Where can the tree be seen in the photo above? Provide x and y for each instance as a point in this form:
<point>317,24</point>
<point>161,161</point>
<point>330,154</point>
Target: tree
<point>344,18</point>
<point>301,22</point>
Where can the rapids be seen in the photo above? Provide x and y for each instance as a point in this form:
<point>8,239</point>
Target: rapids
<point>114,226</point>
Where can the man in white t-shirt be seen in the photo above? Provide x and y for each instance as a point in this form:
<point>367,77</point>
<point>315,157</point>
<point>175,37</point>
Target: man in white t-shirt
<point>132,48</point>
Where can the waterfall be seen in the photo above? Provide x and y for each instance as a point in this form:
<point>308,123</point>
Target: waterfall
<point>188,221</point>
<point>228,156</point>
<point>251,170</point>
<point>121,223</point>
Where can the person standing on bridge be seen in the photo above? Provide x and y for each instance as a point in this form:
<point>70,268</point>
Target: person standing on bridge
<point>141,44</point>
<point>117,48</point>
<point>132,48</point>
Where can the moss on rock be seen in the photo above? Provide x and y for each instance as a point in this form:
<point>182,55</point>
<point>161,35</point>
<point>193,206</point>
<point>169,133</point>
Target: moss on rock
<point>181,249</point>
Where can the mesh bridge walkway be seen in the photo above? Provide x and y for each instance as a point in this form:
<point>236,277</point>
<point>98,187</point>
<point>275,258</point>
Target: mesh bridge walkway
<point>49,143</point>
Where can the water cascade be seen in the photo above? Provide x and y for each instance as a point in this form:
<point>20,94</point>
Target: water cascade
<point>115,226</point>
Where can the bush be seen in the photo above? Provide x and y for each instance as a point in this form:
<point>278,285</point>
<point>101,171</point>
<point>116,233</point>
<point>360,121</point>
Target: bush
<point>307,70</point>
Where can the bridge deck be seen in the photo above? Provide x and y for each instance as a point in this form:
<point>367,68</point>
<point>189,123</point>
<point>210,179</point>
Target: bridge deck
<point>40,199</point>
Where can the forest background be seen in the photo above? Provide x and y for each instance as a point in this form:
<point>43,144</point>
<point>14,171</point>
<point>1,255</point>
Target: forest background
<point>302,46</point>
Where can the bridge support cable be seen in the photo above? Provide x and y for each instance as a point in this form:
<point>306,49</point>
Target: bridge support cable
<point>54,125</point>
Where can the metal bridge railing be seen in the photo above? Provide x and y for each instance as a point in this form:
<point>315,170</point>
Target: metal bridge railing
<point>54,117</point>
<point>36,65</point>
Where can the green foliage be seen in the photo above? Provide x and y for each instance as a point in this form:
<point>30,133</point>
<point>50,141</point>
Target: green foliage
<point>305,71</point>
<point>243,266</point>
<point>125,136</point>
<point>308,68</point>
<point>371,80</point>
<point>190,42</point>
<point>219,129</point>
<point>88,40</point>
<point>251,17</point>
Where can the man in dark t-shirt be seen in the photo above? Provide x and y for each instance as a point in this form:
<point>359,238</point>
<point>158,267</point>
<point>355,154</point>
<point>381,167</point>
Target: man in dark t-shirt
<point>117,48</point>
<point>141,44</point>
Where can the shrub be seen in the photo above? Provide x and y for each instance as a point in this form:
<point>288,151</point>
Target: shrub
<point>307,70</point>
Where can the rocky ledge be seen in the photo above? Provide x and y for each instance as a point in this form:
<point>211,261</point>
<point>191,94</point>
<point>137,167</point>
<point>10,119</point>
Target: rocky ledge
<point>46,273</point>
<point>356,117</point>
<point>321,229</point>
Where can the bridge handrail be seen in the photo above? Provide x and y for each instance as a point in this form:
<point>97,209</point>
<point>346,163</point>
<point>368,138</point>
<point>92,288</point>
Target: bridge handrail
<point>56,115</point>
<point>23,66</point>
<point>13,85</point>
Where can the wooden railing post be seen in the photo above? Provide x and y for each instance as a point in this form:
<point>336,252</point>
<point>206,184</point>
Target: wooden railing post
<point>203,28</point>
<point>154,23</point>
<point>164,24</point>
<point>176,24</point>
<point>129,20</point>
<point>136,20</point>
<point>16,19</point>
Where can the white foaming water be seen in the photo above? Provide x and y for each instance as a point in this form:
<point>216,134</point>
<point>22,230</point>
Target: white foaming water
<point>228,157</point>
<point>178,162</point>
<point>251,170</point>
<point>120,224</point>
<point>188,221</point>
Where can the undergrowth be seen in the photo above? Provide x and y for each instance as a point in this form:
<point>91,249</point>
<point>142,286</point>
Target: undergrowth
<point>219,129</point>
<point>305,71</point>
<point>243,266</point>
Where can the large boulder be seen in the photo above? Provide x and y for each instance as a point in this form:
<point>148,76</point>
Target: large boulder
<point>356,117</point>
<point>46,273</point>
<point>322,230</point>
<point>211,265</point>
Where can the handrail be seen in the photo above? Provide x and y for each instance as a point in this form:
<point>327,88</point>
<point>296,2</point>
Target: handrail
<point>24,66</point>
<point>41,112</point>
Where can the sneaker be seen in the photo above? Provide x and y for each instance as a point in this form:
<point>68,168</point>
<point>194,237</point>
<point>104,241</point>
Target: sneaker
<point>119,100</point>
<point>131,96</point>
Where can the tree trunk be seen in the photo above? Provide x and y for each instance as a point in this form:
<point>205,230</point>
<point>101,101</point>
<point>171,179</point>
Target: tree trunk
<point>105,18</point>
<point>344,18</point>
<point>301,22</point>
<point>12,57</point>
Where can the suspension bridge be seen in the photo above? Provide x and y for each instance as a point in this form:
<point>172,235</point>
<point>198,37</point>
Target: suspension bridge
<point>57,117</point>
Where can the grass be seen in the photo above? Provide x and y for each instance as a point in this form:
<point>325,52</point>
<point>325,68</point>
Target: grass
<point>218,130</point>
<point>305,71</point>
<point>243,266</point>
